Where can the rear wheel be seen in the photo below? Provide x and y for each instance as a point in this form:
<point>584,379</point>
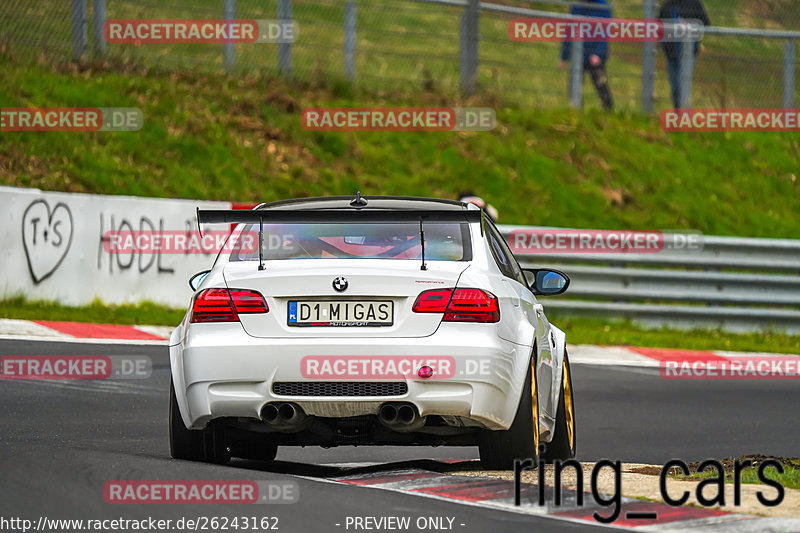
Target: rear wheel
<point>562,447</point>
<point>195,444</point>
<point>499,449</point>
<point>183,443</point>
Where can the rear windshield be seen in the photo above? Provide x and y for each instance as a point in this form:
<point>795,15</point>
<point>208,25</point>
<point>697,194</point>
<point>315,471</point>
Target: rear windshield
<point>443,242</point>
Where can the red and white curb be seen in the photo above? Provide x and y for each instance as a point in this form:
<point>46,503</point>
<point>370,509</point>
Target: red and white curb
<point>631,356</point>
<point>579,354</point>
<point>492,493</point>
<point>48,330</point>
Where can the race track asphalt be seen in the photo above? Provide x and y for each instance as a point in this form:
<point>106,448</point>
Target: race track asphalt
<point>62,441</point>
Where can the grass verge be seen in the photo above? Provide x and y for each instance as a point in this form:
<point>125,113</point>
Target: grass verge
<point>581,330</point>
<point>145,313</point>
<point>216,137</point>
<point>790,478</point>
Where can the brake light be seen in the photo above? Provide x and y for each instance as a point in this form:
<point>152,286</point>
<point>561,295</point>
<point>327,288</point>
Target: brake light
<point>472,305</point>
<point>459,305</point>
<point>224,305</point>
<point>433,301</point>
<point>248,302</point>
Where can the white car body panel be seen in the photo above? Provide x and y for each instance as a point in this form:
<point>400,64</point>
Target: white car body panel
<point>400,281</point>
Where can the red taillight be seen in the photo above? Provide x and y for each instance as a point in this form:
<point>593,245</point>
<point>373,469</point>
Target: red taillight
<point>472,305</point>
<point>459,305</point>
<point>433,301</point>
<point>223,305</point>
<point>214,305</point>
<point>248,302</point>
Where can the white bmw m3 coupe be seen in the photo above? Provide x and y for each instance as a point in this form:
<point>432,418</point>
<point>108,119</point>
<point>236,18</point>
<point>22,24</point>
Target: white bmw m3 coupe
<point>369,321</point>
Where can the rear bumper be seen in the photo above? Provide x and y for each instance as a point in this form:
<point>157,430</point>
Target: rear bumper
<point>221,371</point>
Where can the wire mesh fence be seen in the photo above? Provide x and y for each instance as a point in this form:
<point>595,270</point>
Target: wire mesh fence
<point>415,43</point>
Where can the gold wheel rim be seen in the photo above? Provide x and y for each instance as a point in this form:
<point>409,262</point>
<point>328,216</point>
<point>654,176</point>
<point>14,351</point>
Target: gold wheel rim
<point>535,409</point>
<point>568,407</point>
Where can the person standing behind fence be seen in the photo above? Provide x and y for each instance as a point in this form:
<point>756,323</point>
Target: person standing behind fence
<point>595,55</point>
<point>673,11</point>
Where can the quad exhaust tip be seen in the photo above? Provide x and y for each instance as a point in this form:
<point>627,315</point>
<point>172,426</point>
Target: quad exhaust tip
<point>288,417</point>
<point>270,413</point>
<point>406,414</point>
<point>287,412</point>
<point>401,417</point>
<point>388,413</point>
<point>280,412</point>
<point>285,417</point>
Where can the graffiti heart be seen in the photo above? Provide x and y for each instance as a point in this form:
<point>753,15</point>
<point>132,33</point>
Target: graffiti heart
<point>46,237</point>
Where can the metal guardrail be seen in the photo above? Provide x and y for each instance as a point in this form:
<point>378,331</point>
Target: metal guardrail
<point>734,284</point>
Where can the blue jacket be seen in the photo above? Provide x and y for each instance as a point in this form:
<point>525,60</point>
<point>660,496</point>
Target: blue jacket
<point>598,49</point>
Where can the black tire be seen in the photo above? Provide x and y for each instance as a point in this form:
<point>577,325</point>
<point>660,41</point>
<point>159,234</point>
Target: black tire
<point>562,447</point>
<point>499,449</point>
<point>184,443</point>
<point>208,445</point>
<point>215,443</point>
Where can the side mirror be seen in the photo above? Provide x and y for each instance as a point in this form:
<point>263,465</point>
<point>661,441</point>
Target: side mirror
<point>546,282</point>
<point>195,280</point>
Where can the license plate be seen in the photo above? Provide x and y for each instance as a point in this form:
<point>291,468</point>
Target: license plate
<point>353,313</point>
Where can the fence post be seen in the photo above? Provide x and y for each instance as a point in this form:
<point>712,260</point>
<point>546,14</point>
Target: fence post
<point>229,49</point>
<point>80,38</point>
<point>788,75</point>
<point>687,70</point>
<point>350,18</point>
<point>648,62</point>
<point>470,36</point>
<point>99,25</point>
<point>576,74</point>
<point>285,49</point>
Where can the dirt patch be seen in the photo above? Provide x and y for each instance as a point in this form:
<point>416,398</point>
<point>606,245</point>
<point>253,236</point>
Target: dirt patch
<point>647,470</point>
<point>755,459</point>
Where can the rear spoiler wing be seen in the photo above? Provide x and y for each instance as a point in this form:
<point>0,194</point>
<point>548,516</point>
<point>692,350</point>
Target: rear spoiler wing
<point>333,216</point>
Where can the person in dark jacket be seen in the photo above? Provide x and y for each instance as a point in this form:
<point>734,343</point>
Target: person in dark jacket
<point>595,55</point>
<point>673,11</point>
